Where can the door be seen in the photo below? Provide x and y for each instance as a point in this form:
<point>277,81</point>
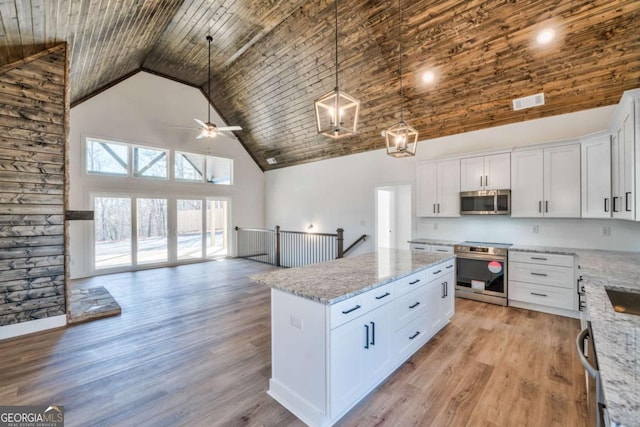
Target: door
<point>349,344</point>
<point>449,300</point>
<point>562,182</point>
<point>448,182</point>
<point>379,356</point>
<point>596,177</point>
<point>435,316</point>
<point>497,171</point>
<point>426,189</point>
<point>393,216</point>
<point>626,136</point>
<point>472,174</point>
<point>526,183</point>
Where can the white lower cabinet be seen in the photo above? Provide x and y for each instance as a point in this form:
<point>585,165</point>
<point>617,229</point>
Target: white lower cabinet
<point>326,358</point>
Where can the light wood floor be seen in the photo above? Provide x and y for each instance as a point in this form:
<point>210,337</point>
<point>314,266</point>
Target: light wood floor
<point>192,347</point>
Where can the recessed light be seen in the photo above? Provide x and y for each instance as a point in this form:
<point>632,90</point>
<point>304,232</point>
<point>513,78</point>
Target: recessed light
<point>428,77</point>
<point>546,36</point>
<point>272,161</point>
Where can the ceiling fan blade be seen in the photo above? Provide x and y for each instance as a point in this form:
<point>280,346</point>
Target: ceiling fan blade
<point>202,135</point>
<point>183,128</point>
<point>229,128</point>
<point>201,123</point>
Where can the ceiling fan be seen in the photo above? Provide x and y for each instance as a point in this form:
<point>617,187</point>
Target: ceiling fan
<point>208,129</point>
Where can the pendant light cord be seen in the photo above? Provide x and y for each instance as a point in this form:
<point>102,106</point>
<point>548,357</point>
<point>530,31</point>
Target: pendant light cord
<point>209,39</point>
<point>400,58</point>
<point>336,17</point>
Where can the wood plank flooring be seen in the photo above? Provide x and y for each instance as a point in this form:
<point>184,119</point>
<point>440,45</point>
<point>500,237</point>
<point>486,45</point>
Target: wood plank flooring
<point>192,348</point>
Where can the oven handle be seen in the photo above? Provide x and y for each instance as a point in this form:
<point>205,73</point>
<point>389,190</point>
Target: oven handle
<point>482,257</point>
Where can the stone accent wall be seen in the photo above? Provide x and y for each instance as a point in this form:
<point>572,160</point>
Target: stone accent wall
<point>33,116</point>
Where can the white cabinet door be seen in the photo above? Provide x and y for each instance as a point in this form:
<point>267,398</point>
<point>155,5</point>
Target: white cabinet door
<point>448,188</point>
<point>562,181</point>
<point>449,299</point>
<point>527,183</point>
<point>379,357</point>
<point>435,296</point>
<point>497,171</point>
<point>426,189</point>
<point>596,177</point>
<point>624,136</point>
<point>347,352</point>
<point>472,174</point>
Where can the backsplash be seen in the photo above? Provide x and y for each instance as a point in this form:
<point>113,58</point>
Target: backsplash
<point>575,233</point>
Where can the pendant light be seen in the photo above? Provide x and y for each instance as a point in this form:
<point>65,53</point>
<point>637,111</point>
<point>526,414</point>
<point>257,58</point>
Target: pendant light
<point>402,139</point>
<point>337,111</point>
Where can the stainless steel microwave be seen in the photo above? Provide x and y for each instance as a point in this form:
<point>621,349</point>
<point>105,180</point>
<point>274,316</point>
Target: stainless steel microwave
<point>485,202</point>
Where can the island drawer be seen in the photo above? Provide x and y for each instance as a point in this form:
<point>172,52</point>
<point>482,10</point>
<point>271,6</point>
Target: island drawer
<point>548,275</point>
<point>409,338</point>
<point>544,295</point>
<point>351,308</point>
<point>409,306</point>
<point>440,269</point>
<point>542,258</point>
<point>442,249</point>
<point>410,282</point>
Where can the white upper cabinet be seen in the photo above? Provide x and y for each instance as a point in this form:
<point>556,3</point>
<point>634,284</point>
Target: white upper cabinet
<point>546,182</point>
<point>438,188</point>
<point>596,176</point>
<point>624,160</point>
<point>486,172</point>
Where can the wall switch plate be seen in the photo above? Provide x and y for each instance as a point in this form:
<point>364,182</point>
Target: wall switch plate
<point>605,230</point>
<point>435,225</point>
<point>535,229</point>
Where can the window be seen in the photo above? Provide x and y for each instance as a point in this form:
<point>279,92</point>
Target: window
<point>152,230</point>
<point>216,227</point>
<point>219,170</point>
<point>189,167</point>
<point>107,158</point>
<point>149,162</point>
<point>112,222</point>
<point>189,229</point>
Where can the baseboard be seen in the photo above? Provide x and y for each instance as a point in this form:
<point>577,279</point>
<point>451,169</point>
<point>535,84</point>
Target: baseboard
<point>32,326</point>
<point>545,309</point>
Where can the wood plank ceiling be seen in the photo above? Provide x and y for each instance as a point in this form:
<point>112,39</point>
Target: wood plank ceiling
<point>272,58</point>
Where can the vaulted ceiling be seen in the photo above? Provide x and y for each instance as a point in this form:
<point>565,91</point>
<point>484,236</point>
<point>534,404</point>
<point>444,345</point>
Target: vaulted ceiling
<point>272,58</point>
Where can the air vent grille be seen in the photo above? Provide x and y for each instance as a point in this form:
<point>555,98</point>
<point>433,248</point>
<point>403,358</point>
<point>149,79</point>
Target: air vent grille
<point>272,161</point>
<point>528,101</point>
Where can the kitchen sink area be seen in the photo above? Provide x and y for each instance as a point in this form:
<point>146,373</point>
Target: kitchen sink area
<point>623,301</point>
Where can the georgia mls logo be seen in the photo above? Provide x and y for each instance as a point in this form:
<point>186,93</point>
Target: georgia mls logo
<point>32,416</point>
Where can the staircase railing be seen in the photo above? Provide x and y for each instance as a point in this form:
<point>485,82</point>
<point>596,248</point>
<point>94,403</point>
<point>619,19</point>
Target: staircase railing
<point>290,248</point>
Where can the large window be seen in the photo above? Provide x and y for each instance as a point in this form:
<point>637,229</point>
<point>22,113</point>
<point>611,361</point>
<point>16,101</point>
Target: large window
<point>189,167</point>
<point>107,158</point>
<point>112,222</point>
<point>152,230</point>
<point>189,229</point>
<point>216,227</point>
<point>219,170</point>
<point>149,162</point>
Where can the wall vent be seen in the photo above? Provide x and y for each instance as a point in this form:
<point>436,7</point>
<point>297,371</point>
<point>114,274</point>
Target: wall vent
<point>528,101</point>
<point>272,161</point>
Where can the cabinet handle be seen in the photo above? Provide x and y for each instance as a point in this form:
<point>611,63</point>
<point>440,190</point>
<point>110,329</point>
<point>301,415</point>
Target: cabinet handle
<point>539,258</point>
<point>414,335</point>
<point>626,201</point>
<point>373,333</point>
<point>366,341</point>
<point>414,282</point>
<point>539,295</point>
<point>415,305</point>
<point>438,207</point>
<point>606,205</point>
<point>486,180</point>
<point>546,206</point>
<point>446,288</point>
<point>449,266</point>
<point>437,272</point>
<point>480,180</point>
<point>351,309</point>
<point>615,198</point>
<point>434,208</point>
<point>419,249</point>
<point>441,250</point>
<point>539,206</point>
<point>539,274</point>
<point>386,294</point>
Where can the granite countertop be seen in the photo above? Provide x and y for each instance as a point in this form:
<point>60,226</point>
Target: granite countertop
<point>616,335</point>
<point>434,242</point>
<point>333,281</point>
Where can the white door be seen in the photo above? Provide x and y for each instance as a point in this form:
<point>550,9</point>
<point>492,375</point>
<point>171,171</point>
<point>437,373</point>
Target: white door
<point>472,174</point>
<point>497,171</point>
<point>426,189</point>
<point>379,356</point>
<point>393,216</point>
<point>626,135</point>
<point>448,179</point>
<point>384,219</point>
<point>596,177</point>
<point>526,183</point>
<point>562,182</point>
<point>349,343</point>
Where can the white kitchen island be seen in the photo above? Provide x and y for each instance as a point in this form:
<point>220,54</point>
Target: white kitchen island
<point>340,328</point>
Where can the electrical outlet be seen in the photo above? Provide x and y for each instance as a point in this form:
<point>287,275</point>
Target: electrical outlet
<point>535,229</point>
<point>605,230</point>
<point>435,225</point>
<point>295,321</point>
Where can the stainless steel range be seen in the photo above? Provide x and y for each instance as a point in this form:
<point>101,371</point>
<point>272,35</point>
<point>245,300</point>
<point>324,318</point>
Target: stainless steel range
<point>482,271</point>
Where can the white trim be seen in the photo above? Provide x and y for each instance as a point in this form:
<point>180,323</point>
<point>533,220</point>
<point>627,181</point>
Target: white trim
<point>545,309</point>
<point>32,326</point>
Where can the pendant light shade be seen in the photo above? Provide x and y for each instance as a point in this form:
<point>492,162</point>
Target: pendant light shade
<point>402,139</point>
<point>337,111</point>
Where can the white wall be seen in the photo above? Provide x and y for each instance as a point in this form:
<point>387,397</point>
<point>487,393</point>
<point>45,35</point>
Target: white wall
<point>341,192</point>
<point>140,110</point>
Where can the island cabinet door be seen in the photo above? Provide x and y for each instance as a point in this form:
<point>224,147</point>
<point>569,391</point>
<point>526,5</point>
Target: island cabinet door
<point>448,301</point>
<point>361,356</point>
